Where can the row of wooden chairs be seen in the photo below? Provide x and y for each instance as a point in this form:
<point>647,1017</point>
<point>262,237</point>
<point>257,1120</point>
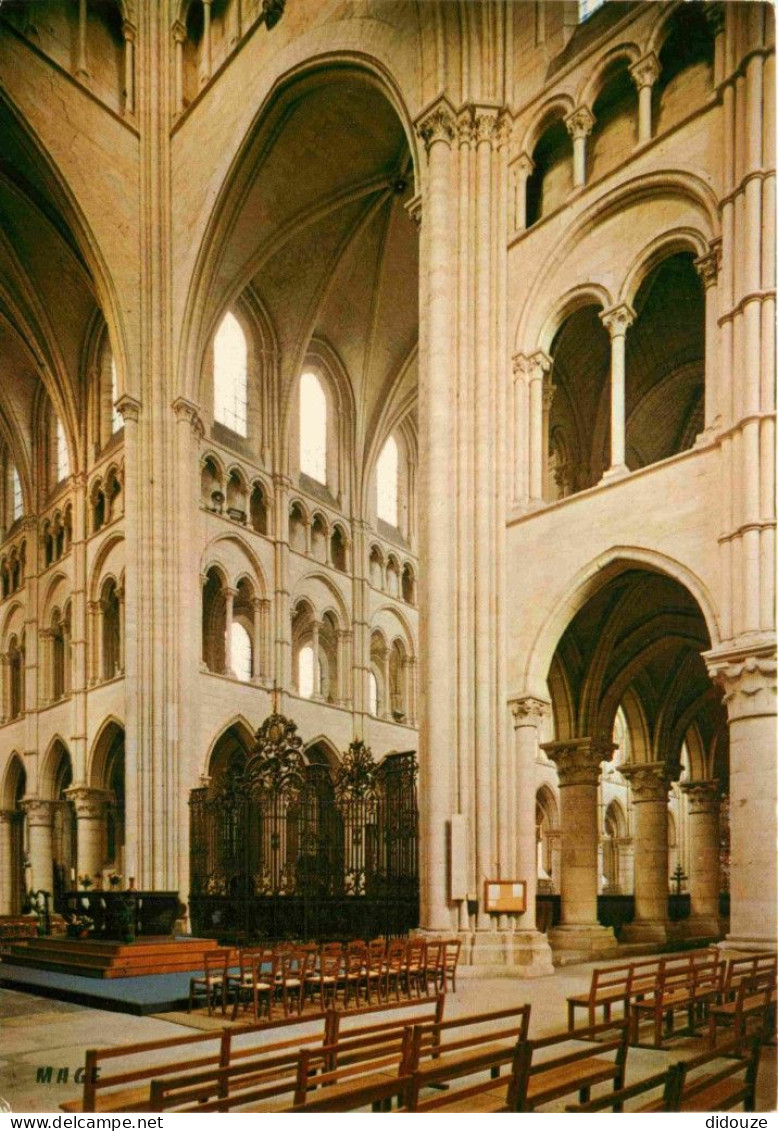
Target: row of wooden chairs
<point>328,976</point>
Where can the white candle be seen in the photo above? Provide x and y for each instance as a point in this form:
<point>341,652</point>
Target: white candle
<point>72,875</point>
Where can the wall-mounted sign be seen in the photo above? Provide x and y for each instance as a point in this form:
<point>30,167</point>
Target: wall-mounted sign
<point>505,895</point>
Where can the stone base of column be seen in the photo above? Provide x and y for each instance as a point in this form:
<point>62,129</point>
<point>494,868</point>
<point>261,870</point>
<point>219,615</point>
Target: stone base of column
<point>505,954</point>
<point>645,931</point>
<point>740,942</point>
<point>613,474</point>
<point>699,927</point>
<point>582,941</point>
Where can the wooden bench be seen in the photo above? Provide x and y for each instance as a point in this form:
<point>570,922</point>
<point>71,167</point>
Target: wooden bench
<point>740,967</point>
<point>691,989</point>
<point>754,999</point>
<point>129,1088</point>
<point>667,1083</point>
<point>541,1081</point>
<point>266,1079</point>
<point>721,1089</point>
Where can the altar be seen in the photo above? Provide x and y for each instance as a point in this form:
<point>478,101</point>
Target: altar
<point>121,915</point>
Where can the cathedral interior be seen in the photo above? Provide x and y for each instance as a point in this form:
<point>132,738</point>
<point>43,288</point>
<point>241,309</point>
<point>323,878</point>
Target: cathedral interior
<point>402,372</point>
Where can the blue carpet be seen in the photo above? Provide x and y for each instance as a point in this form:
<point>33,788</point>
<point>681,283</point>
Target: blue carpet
<point>150,993</point>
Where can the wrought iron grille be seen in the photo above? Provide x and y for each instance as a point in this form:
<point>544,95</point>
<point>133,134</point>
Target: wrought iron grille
<point>284,849</point>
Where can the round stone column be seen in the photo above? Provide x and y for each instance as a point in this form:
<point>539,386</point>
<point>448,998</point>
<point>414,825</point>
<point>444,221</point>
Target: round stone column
<point>91,808</point>
<point>749,683</point>
<point>650,785</point>
<point>7,818</point>
<point>40,823</point>
<point>578,767</point>
<point>703,808</point>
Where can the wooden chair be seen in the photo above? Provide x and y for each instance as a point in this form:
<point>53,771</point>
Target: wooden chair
<point>434,966</point>
<point>290,980</point>
<point>258,984</point>
<point>374,972</point>
<point>450,962</point>
<point>543,1080</point>
<point>394,968</point>
<point>353,975</point>
<point>213,980</point>
<point>415,968</point>
<point>324,980</point>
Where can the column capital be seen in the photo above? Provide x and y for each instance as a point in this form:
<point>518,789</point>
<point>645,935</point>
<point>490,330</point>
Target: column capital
<point>709,265</point>
<point>649,781</point>
<point>646,71</point>
<point>716,16</point>
<point>187,410</point>
<point>90,804</point>
<point>618,319</point>
<point>703,795</point>
<point>580,123</point>
<point>229,591</point>
<point>578,759</point>
<point>129,407</point>
<point>129,31</point>
<point>528,711</point>
<point>748,679</point>
<point>437,123</point>
<point>523,165</point>
<point>531,367</point>
<point>39,813</point>
<point>491,124</point>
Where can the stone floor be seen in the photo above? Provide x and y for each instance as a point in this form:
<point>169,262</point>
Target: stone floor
<point>37,1032</point>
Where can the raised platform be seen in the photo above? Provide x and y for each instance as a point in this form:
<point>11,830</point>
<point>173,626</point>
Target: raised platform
<point>94,958</point>
<point>160,993</point>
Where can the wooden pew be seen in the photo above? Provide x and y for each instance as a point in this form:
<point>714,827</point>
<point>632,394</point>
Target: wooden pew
<point>667,1083</point>
<point>740,967</point>
<point>128,1088</point>
<point>541,1081</point>
<point>267,1078</point>
<point>721,1089</point>
<point>701,1084</point>
<point>691,989</point>
<point>754,999</point>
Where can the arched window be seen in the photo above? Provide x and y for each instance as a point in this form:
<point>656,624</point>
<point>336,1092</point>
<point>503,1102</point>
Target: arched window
<point>117,420</point>
<point>16,494</point>
<point>230,376</point>
<point>62,458</point>
<point>214,622</point>
<point>387,470</point>
<point>111,631</point>
<point>305,672</point>
<point>240,644</point>
<point>551,182</point>
<point>313,428</point>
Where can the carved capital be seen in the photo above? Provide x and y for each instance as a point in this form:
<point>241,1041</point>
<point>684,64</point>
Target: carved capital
<point>466,130</point>
<point>709,265</point>
<point>703,796</point>
<point>715,15</point>
<point>646,71</point>
<point>89,804</point>
<point>532,367</point>
<point>437,123</point>
<point>618,320</point>
<point>188,411</point>
<point>39,813</point>
<point>129,31</point>
<point>578,759</point>
<point>179,32</point>
<point>492,125</point>
<point>529,711</point>
<point>649,780</point>
<point>747,679</point>
<point>129,407</point>
<point>524,166</point>
<point>580,123</point>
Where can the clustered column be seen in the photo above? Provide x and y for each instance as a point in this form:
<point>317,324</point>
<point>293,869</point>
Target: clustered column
<point>650,786</point>
<point>578,766</point>
<point>703,810</point>
<point>7,822</point>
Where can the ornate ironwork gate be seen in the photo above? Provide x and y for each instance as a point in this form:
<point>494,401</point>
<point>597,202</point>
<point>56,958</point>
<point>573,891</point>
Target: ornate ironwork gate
<point>284,849</point>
